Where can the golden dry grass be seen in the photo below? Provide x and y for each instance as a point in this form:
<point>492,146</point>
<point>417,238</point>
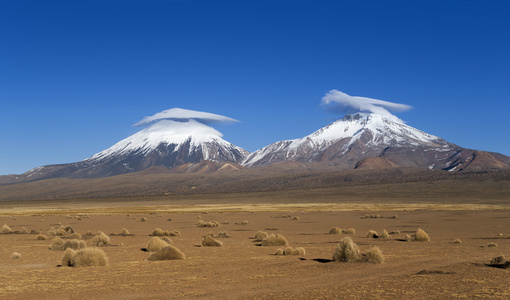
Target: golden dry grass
<point>274,240</point>
<point>167,253</point>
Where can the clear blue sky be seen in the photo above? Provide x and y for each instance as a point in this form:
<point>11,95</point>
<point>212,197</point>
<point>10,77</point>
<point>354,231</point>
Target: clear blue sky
<point>76,75</point>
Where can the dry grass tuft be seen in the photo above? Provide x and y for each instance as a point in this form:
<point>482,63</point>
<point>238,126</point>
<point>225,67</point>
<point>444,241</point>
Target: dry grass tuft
<point>101,239</point>
<point>144,219</point>
<point>498,260</point>
<point>75,235</point>
<point>167,253</point>
<point>6,229</point>
<point>84,257</point>
<point>259,236</point>
<point>457,241</point>
<point>421,236</point>
<point>211,242</point>
<point>346,251</point>
<point>35,231</point>
<point>491,245</point>
<point>372,234</point>
<point>349,231</point>
<point>41,237</point>
<point>51,232</point>
<point>408,238</point>
<point>335,230</point>
<point>245,222</point>
<point>385,234</point>
<point>167,239</point>
<point>156,244</point>
<point>395,232</point>
<point>275,240</point>
<point>124,232</point>
<point>291,251</point>
<point>15,255</point>
<point>373,255</point>
<point>57,244</point>
<point>296,218</point>
<point>68,229</point>
<point>211,224</point>
<point>224,234</point>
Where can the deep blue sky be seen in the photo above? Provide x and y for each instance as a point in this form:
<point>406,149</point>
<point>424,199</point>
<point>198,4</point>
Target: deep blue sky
<point>75,75</point>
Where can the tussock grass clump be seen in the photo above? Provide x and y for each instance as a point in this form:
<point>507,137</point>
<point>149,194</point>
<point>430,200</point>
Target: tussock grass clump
<point>259,236</point>
<point>373,255</point>
<point>86,257</point>
<point>394,217</point>
<point>15,255</point>
<point>41,237</point>
<point>156,244</point>
<point>161,232</point>
<point>75,235</point>
<point>51,231</point>
<point>224,234</point>
<point>291,251</point>
<point>245,222</point>
<point>144,219</point>
<point>35,231</point>
<point>101,239</point>
<point>210,224</point>
<point>385,234</point>
<point>335,230</point>
<point>24,230</point>
<point>167,253</point>
<point>421,236</point>
<point>395,232</point>
<point>6,229</point>
<point>68,229</point>
<point>274,240</point>
<point>211,242</point>
<point>491,245</point>
<point>349,231</point>
<point>348,251</point>
<point>57,244</point>
<point>457,241</point>
<point>89,233</point>
<point>167,239</point>
<point>408,238</point>
<point>61,232</point>
<point>372,234</point>
<point>124,232</point>
<point>296,218</point>
<point>498,260</point>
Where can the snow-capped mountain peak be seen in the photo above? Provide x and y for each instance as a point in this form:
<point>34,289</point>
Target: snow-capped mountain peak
<point>373,131</point>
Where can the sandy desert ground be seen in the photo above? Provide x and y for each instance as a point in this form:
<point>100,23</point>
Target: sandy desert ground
<point>242,269</point>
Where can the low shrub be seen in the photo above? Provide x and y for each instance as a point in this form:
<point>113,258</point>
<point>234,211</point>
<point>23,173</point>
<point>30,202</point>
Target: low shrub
<point>291,251</point>
<point>421,236</point>
<point>372,234</point>
<point>385,234</point>
<point>348,251</point>
<point>259,236</point>
<point>335,230</point>
<point>15,255</point>
<point>211,242</point>
<point>86,257</point>
<point>101,239</point>
<point>167,253</point>
<point>274,240</point>
<point>373,255</point>
<point>156,244</point>
<point>6,229</point>
<point>349,231</point>
<point>41,237</point>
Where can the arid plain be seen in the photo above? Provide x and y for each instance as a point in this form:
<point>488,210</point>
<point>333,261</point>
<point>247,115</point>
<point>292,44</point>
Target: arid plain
<point>474,211</point>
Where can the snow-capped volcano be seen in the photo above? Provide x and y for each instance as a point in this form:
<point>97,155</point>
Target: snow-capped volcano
<point>189,138</point>
<point>346,142</point>
<point>166,143</point>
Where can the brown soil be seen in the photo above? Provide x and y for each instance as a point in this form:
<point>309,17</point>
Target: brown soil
<point>243,270</point>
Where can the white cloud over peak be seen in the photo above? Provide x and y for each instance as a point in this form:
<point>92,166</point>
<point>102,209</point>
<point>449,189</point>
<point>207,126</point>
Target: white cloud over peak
<point>342,102</point>
<point>185,114</point>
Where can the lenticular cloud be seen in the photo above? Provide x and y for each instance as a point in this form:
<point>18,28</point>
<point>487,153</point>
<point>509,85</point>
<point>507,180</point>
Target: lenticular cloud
<point>185,114</point>
<point>341,102</point>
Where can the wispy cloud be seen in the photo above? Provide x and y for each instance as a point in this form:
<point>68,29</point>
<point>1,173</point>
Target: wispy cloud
<point>337,101</point>
<point>185,114</point>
